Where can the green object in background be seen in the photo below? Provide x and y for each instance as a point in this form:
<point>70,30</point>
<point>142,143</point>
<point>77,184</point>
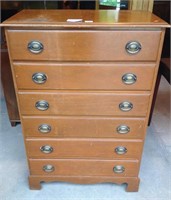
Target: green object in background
<point>108,3</point>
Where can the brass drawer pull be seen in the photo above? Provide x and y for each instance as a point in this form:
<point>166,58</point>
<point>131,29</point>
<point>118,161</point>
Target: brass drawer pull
<point>120,150</point>
<point>118,169</point>
<point>42,105</point>
<point>46,149</point>
<point>125,106</point>
<point>35,47</point>
<point>129,78</point>
<point>123,129</point>
<point>133,47</point>
<point>39,78</point>
<point>48,168</point>
<point>44,128</point>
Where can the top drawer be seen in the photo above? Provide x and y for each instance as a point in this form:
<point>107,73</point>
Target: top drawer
<point>83,45</point>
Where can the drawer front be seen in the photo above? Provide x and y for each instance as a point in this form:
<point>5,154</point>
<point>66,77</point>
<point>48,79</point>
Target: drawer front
<point>99,76</point>
<point>84,103</point>
<point>83,148</point>
<point>83,127</point>
<point>82,167</point>
<point>83,45</point>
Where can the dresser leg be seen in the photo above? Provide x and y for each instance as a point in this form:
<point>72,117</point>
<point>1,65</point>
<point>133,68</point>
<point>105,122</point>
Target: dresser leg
<point>34,183</point>
<point>133,185</point>
<point>13,124</point>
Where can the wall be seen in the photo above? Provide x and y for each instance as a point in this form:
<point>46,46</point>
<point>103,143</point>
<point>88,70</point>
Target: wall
<point>141,5</point>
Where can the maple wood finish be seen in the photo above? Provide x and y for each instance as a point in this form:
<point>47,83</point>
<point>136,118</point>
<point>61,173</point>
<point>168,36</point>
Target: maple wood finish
<point>84,95</point>
<point>86,148</point>
<point>84,103</point>
<point>59,47</point>
<point>83,126</point>
<point>82,76</point>
<point>70,167</point>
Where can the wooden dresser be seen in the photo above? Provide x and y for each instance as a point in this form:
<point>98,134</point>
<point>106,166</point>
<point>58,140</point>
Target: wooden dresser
<point>84,91</point>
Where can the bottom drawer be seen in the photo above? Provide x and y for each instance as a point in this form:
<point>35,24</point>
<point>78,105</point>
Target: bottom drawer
<point>84,167</point>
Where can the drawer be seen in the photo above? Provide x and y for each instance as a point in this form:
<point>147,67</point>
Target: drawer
<point>83,103</point>
<point>99,76</point>
<point>84,148</point>
<point>83,127</point>
<point>83,45</point>
<point>83,167</point>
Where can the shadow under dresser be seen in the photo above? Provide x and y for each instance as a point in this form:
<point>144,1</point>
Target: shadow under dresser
<point>84,82</point>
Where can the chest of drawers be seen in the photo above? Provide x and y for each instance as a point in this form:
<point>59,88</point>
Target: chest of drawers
<point>84,91</point>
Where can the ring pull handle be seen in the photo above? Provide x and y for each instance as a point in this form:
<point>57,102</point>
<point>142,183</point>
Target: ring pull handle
<point>48,168</point>
<point>125,106</point>
<point>123,129</point>
<point>35,47</point>
<point>46,149</point>
<point>39,78</point>
<point>44,128</point>
<point>121,150</point>
<point>129,78</point>
<point>42,105</point>
<point>133,47</point>
<point>118,169</point>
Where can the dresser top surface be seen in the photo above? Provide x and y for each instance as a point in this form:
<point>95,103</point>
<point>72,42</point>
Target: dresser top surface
<point>89,19</point>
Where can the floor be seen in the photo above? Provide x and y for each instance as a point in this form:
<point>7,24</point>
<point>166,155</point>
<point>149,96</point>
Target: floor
<point>155,172</point>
